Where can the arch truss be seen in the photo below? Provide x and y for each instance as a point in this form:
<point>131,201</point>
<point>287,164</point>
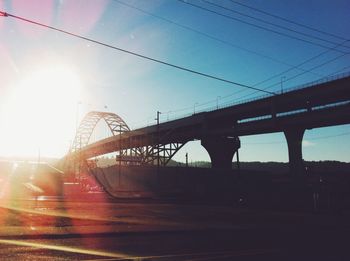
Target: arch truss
<point>149,155</point>
<point>115,123</point>
<point>162,151</point>
<point>146,155</point>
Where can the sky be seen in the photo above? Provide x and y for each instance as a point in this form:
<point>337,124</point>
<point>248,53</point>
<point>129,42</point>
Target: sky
<point>50,80</point>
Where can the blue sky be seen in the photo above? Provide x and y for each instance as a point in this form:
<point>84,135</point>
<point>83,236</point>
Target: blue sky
<point>135,88</point>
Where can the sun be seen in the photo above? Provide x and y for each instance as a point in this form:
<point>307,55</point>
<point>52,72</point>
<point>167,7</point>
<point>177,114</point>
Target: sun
<point>40,114</point>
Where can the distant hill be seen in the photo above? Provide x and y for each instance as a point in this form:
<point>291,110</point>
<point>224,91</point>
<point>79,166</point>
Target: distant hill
<point>280,167</point>
<point>276,167</point>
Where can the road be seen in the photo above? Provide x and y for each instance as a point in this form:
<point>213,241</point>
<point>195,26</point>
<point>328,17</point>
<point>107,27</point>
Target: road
<point>106,229</point>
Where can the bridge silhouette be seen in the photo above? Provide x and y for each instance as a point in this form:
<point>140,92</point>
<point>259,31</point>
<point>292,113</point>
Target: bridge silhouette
<point>317,104</point>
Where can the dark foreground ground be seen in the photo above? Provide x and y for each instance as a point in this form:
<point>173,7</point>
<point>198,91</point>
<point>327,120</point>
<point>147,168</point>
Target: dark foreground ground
<point>103,229</point>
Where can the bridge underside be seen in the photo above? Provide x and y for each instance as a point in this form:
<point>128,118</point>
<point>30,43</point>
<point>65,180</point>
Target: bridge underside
<point>149,155</point>
<point>221,150</point>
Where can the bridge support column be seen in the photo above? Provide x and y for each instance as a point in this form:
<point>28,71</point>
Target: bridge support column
<point>221,150</point>
<point>294,139</point>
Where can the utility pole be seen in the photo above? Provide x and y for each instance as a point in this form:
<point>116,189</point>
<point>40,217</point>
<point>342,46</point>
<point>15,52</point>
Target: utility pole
<point>120,151</point>
<point>168,113</point>
<point>282,79</point>
<point>186,159</point>
<point>194,107</point>
<point>217,102</point>
<point>157,146</point>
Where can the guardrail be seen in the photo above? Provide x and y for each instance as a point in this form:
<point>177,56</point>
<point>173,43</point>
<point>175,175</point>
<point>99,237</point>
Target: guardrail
<point>244,101</point>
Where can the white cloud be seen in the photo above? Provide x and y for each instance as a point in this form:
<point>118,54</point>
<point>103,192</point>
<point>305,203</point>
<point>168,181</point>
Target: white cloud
<point>307,143</point>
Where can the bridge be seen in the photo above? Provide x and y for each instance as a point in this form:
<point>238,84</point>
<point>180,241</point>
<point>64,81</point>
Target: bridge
<point>317,104</point>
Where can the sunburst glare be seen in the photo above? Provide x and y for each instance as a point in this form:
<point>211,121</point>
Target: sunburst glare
<point>40,112</point>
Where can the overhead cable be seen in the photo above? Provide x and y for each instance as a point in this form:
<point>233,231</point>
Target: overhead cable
<point>270,23</point>
<point>136,54</point>
<point>297,75</point>
<point>304,62</point>
<point>258,26</point>
<point>288,20</point>
<point>191,29</point>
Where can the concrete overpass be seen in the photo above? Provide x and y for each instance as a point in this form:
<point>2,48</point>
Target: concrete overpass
<point>314,105</point>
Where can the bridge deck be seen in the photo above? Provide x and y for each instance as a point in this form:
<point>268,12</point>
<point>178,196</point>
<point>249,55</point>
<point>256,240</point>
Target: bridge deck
<point>319,105</point>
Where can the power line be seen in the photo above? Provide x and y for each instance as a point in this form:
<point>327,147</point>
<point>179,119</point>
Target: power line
<point>275,84</point>
<point>311,69</point>
<point>289,21</point>
<point>297,75</point>
<point>257,26</point>
<point>279,74</point>
<point>136,54</point>
<point>338,71</point>
<point>217,39</point>
<point>270,23</point>
<point>270,86</point>
<point>191,29</point>
<point>284,72</point>
<point>300,64</point>
<point>249,94</point>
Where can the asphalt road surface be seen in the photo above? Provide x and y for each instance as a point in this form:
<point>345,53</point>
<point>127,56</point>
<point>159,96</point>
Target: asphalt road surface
<point>151,230</point>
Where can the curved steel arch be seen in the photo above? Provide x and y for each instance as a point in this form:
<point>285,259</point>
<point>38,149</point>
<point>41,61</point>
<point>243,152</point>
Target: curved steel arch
<point>114,122</point>
<point>146,155</point>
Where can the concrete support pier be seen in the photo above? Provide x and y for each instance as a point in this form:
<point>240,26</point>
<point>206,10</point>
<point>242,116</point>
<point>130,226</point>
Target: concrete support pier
<point>221,150</point>
<point>294,139</point>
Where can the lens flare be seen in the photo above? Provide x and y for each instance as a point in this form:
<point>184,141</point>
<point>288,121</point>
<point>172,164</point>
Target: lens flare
<point>40,112</point>
<point>35,9</point>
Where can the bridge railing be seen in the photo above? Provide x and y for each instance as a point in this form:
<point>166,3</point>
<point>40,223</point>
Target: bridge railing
<point>298,87</point>
<point>319,81</point>
<point>243,101</point>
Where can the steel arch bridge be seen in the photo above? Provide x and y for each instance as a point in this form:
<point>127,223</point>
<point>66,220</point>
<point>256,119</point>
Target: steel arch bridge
<point>145,155</point>
<point>82,137</point>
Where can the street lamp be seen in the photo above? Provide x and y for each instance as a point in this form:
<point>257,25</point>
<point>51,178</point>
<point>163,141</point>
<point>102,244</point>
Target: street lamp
<point>157,119</point>
<point>157,145</point>
<point>168,113</point>
<point>194,107</point>
<point>217,102</point>
<point>282,79</point>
